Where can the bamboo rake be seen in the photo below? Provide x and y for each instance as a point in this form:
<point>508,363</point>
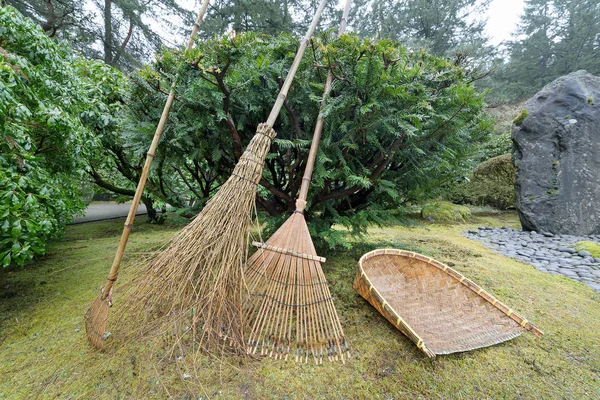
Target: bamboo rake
<point>292,305</point>
<point>96,316</point>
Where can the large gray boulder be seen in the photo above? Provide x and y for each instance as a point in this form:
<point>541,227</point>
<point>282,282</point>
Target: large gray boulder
<point>556,152</point>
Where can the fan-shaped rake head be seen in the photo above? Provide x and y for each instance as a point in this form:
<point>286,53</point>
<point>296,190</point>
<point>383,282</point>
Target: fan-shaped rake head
<point>292,310</point>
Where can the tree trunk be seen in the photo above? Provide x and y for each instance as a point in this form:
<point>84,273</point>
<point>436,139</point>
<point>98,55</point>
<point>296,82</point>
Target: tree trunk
<point>152,214</point>
<point>108,57</point>
<point>50,25</point>
<point>124,44</point>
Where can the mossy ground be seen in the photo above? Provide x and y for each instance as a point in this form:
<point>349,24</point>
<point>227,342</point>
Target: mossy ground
<point>44,353</point>
<point>593,248</point>
<point>445,212</point>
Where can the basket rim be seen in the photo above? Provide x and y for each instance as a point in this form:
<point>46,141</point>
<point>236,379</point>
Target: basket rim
<point>454,274</point>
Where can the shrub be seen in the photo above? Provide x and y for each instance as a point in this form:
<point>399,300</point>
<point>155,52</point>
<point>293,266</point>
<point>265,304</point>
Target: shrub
<point>500,141</point>
<point>398,125</point>
<point>492,184</point>
<point>445,212</point>
<point>43,140</point>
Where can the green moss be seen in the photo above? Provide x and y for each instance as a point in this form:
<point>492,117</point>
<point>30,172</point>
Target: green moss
<point>531,198</point>
<point>445,212</point>
<point>593,248</point>
<point>492,184</point>
<point>45,355</point>
<point>590,101</point>
<point>552,192</point>
<point>521,117</point>
<point>555,163</point>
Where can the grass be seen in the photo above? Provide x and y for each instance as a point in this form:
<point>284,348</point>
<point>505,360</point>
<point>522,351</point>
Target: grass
<point>44,353</point>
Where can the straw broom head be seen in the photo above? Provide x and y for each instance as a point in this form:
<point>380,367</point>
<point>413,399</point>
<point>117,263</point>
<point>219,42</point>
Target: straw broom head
<point>195,288</point>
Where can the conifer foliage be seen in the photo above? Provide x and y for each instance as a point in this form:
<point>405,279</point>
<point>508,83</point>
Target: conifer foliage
<point>398,123</point>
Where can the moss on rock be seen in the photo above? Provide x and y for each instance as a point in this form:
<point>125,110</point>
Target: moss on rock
<point>521,117</point>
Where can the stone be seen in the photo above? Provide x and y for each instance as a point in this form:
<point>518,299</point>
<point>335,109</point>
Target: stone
<point>595,286</point>
<point>556,149</point>
<point>568,273</point>
<point>567,250</point>
<point>585,275</point>
<point>584,253</point>
<point>551,255</point>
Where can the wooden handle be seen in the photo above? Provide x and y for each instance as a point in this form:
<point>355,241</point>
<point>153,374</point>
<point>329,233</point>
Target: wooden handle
<point>290,76</point>
<point>314,146</point>
<point>112,276</point>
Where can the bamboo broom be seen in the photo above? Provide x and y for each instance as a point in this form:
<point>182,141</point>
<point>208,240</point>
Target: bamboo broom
<point>293,308</point>
<point>97,315</point>
<point>195,289</point>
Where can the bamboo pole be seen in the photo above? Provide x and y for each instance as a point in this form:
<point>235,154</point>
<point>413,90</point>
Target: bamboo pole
<point>112,276</point>
<point>314,146</point>
<point>290,76</point>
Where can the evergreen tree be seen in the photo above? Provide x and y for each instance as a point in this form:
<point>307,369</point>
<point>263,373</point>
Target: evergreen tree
<point>116,31</point>
<point>266,16</point>
<point>555,38</point>
<point>441,26</point>
<point>62,19</point>
<point>578,30</point>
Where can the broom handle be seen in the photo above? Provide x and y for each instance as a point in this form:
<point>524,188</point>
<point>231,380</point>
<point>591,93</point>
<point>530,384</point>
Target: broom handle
<point>290,76</point>
<point>314,146</point>
<point>112,276</point>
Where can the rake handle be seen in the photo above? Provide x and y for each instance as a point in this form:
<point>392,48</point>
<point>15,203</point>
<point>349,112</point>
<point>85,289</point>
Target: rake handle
<point>314,146</point>
<point>290,76</point>
<point>112,276</point>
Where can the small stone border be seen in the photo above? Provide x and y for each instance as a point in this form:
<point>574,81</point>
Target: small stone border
<point>545,252</point>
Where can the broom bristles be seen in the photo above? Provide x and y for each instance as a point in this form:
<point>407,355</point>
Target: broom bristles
<point>195,287</point>
<point>292,311</point>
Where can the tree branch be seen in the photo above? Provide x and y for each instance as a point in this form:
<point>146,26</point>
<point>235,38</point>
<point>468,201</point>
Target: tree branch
<point>271,188</point>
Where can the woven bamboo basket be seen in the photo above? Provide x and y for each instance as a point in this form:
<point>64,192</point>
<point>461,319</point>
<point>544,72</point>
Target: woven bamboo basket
<point>437,308</point>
